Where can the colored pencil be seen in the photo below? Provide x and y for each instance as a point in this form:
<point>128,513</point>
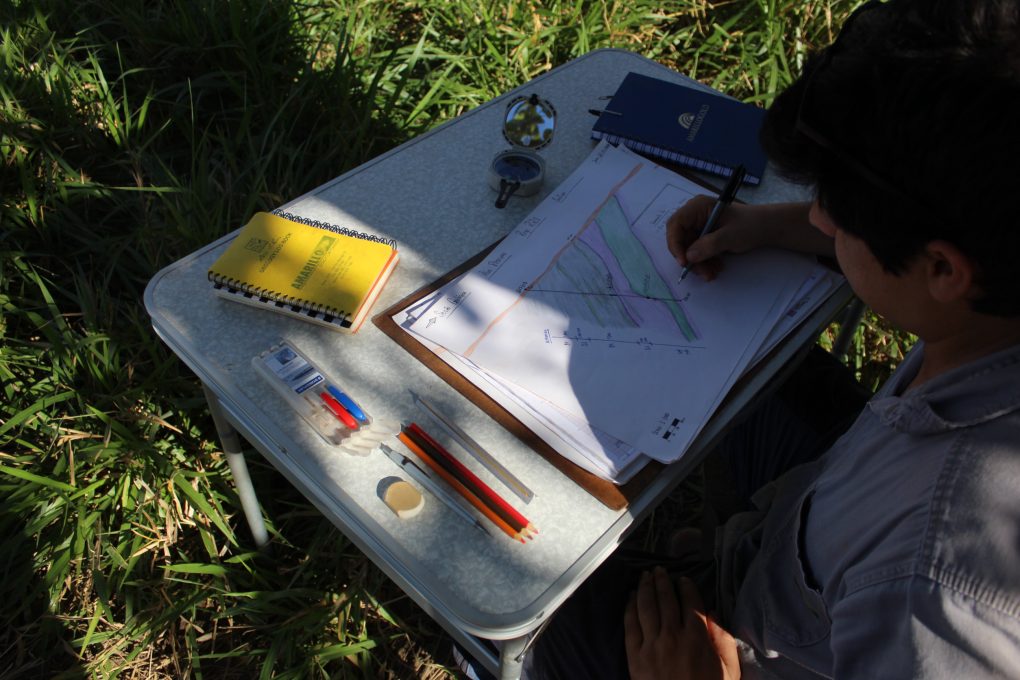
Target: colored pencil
<point>505,518</point>
<point>460,488</point>
<point>442,461</point>
<point>440,456</point>
<point>493,499</point>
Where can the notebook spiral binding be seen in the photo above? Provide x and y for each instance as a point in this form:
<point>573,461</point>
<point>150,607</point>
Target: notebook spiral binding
<point>233,285</point>
<point>335,228</point>
<point>294,306</point>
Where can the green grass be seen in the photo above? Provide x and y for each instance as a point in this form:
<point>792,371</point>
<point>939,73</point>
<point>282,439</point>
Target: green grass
<point>131,134</point>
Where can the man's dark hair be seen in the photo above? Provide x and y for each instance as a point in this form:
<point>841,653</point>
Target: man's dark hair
<point>909,127</point>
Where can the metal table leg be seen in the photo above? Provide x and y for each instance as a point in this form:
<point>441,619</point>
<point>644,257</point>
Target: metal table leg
<point>231,442</point>
<point>511,657</point>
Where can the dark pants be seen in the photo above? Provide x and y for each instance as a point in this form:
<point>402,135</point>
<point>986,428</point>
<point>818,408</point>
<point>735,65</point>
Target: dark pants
<point>796,424</point>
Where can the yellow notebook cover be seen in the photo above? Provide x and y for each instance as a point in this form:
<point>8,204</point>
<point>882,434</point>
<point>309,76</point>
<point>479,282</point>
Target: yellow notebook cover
<point>304,266</point>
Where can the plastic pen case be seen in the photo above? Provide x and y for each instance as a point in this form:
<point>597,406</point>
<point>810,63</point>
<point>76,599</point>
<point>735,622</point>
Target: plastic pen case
<point>319,399</point>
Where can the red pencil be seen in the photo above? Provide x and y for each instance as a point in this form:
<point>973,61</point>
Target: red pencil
<point>460,488</point>
<point>463,472</point>
<point>441,459</point>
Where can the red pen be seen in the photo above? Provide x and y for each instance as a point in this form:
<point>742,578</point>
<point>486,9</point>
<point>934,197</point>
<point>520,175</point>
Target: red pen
<point>338,410</point>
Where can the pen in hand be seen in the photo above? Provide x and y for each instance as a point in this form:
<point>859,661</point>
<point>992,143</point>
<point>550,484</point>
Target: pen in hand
<point>725,198</point>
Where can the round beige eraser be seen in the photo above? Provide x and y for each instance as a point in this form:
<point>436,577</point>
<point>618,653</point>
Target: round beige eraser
<point>403,499</point>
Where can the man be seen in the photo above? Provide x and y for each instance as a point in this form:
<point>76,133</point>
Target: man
<point>896,554</point>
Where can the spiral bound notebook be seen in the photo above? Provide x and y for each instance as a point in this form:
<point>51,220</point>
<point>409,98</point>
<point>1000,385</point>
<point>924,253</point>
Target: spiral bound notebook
<point>313,271</point>
<point>690,127</point>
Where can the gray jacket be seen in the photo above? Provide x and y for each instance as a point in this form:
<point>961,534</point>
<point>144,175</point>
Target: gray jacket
<point>897,554</point>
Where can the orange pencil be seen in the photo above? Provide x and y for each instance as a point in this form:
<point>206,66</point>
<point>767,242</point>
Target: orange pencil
<point>464,472</point>
<point>473,484</point>
<point>460,488</point>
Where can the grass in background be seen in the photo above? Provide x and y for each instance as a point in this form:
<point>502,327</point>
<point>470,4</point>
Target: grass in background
<point>131,134</point>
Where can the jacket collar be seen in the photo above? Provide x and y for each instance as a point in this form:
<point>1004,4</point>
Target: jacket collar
<point>975,393</point>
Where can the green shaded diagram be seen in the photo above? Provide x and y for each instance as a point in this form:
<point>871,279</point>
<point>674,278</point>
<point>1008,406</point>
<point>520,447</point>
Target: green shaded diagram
<point>607,277</point>
<point>636,264</point>
<point>582,285</point>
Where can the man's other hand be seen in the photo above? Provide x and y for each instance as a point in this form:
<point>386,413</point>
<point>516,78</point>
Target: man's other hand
<point>666,638</point>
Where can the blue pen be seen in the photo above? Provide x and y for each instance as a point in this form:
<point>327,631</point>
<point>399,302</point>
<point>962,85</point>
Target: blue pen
<point>348,403</point>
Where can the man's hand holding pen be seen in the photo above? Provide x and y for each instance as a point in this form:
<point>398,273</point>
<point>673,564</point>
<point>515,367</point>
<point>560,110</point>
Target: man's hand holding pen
<point>736,233</point>
<point>740,228</point>
<point>719,207</point>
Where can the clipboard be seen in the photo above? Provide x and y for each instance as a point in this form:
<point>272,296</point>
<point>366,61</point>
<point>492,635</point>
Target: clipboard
<point>609,494</point>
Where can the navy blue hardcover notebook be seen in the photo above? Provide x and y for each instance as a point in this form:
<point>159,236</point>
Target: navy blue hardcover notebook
<point>689,127</point>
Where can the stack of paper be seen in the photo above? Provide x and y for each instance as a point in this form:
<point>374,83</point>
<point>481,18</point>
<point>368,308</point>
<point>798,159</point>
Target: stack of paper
<point>578,324</point>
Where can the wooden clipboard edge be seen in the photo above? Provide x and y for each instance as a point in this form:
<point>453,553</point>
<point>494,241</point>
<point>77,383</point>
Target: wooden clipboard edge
<point>609,494</point>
